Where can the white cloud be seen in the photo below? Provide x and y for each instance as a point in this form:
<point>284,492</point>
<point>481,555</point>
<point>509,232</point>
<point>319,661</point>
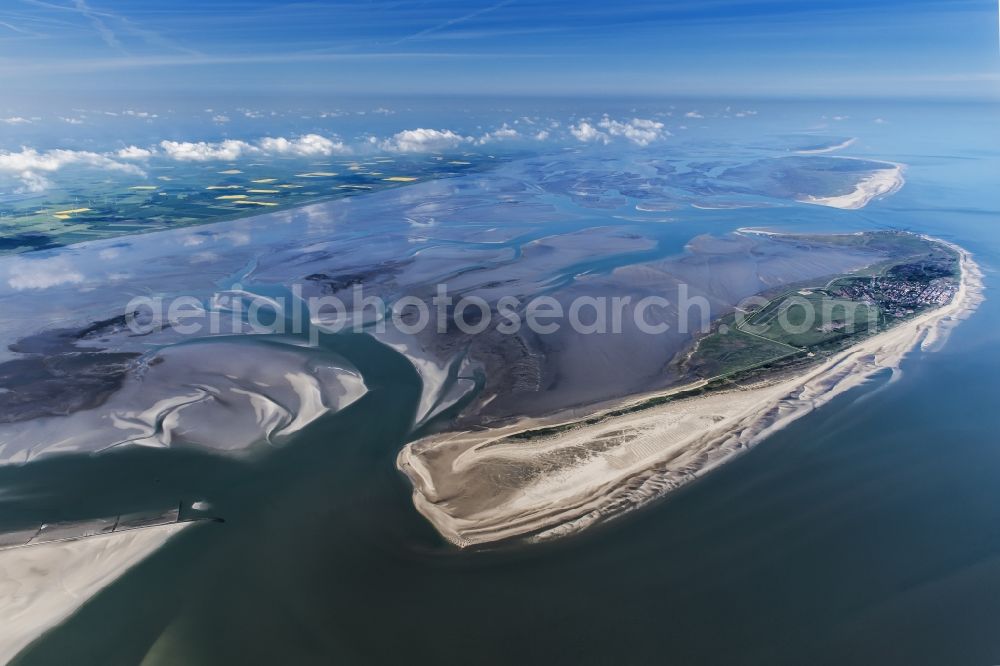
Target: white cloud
<point>139,114</point>
<point>32,182</point>
<point>505,132</point>
<point>586,132</point>
<point>202,151</point>
<point>41,273</point>
<point>15,120</point>
<point>640,131</point>
<point>693,114</point>
<point>28,165</point>
<point>422,140</point>
<point>134,153</point>
<point>306,145</point>
<point>71,121</point>
<point>220,118</point>
<point>542,135</point>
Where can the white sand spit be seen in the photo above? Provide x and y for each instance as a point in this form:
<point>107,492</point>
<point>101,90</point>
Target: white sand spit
<point>40,586</point>
<point>880,183</point>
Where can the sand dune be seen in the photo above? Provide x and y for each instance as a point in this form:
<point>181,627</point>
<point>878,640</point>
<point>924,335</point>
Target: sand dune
<point>484,486</point>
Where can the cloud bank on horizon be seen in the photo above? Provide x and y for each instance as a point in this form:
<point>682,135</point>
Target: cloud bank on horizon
<point>90,54</point>
<point>809,47</point>
<point>30,166</point>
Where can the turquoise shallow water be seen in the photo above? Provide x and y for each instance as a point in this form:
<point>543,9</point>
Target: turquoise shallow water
<point>864,533</point>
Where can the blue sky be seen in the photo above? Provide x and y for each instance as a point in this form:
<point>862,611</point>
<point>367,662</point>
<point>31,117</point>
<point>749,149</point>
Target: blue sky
<point>60,48</point>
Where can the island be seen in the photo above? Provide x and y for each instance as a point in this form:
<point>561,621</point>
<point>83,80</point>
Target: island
<point>756,371</point>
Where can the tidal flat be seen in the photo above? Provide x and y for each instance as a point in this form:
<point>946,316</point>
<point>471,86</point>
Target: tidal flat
<point>577,235</point>
<point>515,234</point>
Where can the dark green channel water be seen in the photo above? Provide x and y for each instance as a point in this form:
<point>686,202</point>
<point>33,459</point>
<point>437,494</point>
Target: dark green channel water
<point>874,518</point>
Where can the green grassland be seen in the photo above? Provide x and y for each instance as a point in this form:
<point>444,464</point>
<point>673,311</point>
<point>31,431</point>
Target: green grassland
<point>746,346</point>
<point>729,350</point>
<point>87,205</point>
<point>813,319</point>
<point>807,322</point>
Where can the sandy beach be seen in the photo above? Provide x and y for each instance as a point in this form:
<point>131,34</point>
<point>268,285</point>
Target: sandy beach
<point>829,149</point>
<point>880,183</point>
<point>40,586</point>
<point>478,487</point>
